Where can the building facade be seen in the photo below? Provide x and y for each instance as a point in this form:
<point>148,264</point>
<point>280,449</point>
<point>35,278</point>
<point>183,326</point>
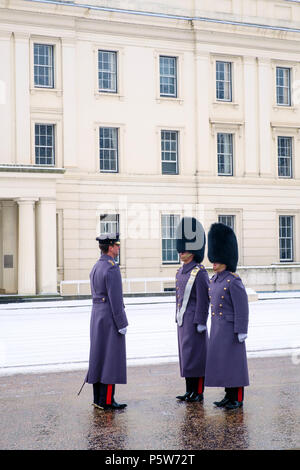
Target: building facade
<point>127,114</point>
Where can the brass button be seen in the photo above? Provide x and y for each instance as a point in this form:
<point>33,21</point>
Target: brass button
<point>221,313</point>
<point>221,305</point>
<point>228,280</point>
<point>222,297</point>
<point>213,313</point>
<point>225,288</point>
<point>103,299</point>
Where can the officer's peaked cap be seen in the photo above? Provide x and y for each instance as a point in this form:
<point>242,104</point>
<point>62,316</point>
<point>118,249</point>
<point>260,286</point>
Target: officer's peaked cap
<point>190,237</point>
<point>109,239</point>
<point>223,246</point>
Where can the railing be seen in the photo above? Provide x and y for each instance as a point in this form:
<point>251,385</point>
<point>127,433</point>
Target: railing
<point>130,285</point>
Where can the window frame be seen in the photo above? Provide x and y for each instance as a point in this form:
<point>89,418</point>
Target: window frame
<point>114,90</point>
<point>117,222</point>
<point>292,238</point>
<point>53,126</point>
<point>230,64</point>
<point>168,95</point>
<point>288,87</point>
<point>233,216</point>
<point>51,67</point>
<point>171,131</point>
<point>289,158</point>
<point>224,154</point>
<point>117,129</point>
<point>166,228</point>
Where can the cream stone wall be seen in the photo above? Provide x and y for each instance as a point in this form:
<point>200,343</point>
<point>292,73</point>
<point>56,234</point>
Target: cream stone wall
<point>254,35</point>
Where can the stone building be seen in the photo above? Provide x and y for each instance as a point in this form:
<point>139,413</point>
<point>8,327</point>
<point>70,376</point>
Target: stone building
<point>128,114</point>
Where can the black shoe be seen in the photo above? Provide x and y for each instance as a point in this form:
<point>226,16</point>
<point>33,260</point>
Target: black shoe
<point>233,405</point>
<point>222,403</point>
<point>194,397</point>
<point>183,397</point>
<point>117,406</point>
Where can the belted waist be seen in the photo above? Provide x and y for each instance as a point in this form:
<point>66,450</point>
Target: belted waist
<point>99,300</point>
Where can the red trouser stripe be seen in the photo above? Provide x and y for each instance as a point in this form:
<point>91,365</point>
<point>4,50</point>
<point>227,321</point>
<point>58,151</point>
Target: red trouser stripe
<point>240,394</point>
<point>109,394</point>
<point>200,384</point>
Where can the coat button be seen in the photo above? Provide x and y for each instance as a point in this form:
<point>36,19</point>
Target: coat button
<point>225,288</point>
<point>213,313</point>
<point>221,305</point>
<point>228,280</point>
<point>103,299</point>
<point>222,297</point>
<point>221,313</point>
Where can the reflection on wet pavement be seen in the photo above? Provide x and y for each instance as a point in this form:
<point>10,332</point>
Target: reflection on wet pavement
<point>44,412</point>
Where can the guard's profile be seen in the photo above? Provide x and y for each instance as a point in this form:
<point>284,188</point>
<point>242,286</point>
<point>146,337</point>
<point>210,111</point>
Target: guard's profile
<point>108,324</point>
<point>192,304</point>
<point>226,356</point>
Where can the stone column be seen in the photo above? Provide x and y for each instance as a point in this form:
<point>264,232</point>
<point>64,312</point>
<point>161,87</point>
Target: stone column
<point>250,100</point>
<point>22,98</point>
<point>9,247</point>
<point>6,113</point>
<point>46,246</point>
<point>265,103</point>
<point>69,102</point>
<point>202,106</point>
<point>26,265</point>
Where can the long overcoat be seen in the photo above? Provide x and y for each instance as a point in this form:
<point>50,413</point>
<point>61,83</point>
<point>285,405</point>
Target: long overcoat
<point>192,346</point>
<point>107,361</point>
<point>226,364</point>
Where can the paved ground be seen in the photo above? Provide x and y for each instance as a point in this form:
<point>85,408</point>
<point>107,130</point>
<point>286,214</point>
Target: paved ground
<point>43,411</point>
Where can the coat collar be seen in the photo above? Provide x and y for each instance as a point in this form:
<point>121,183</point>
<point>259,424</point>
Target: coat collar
<point>189,266</point>
<point>220,276</point>
<point>105,257</point>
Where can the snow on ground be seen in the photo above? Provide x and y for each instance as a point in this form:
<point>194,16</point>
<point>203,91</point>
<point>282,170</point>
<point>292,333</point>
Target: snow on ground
<point>54,335</point>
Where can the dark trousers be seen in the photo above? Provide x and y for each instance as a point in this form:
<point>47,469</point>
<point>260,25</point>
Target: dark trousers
<point>235,393</point>
<point>103,393</point>
<point>195,384</point>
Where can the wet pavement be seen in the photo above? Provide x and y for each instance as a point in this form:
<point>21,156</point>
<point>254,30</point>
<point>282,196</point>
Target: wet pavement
<point>43,411</point>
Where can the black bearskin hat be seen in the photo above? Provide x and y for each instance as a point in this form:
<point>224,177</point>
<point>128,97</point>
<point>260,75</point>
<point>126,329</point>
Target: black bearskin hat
<point>222,246</point>
<point>190,236</point>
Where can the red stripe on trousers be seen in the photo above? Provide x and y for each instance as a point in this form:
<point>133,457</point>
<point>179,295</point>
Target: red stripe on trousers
<point>109,394</point>
<point>240,394</point>
<point>200,385</point>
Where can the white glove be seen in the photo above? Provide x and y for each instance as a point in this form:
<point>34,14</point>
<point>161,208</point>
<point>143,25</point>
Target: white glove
<point>242,337</point>
<point>201,328</point>
<point>123,331</point>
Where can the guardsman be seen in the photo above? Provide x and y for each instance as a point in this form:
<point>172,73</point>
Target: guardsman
<point>226,364</point>
<point>107,361</point>
<point>192,304</point>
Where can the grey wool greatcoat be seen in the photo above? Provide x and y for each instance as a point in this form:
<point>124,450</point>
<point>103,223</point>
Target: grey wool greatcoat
<point>192,345</point>
<point>107,361</point>
<point>226,357</point>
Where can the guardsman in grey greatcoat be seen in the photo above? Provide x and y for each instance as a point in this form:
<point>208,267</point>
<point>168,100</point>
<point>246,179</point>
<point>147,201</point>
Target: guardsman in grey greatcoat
<point>107,361</point>
<point>226,364</point>
<point>192,304</point>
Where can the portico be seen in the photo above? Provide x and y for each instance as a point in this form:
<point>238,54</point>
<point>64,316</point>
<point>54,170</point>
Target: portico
<point>28,232</point>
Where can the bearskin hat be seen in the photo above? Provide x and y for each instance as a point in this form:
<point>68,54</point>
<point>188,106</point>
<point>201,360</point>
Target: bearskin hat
<point>190,236</point>
<point>222,246</point>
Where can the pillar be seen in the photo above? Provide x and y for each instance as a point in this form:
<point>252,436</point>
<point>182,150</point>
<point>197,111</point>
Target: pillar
<point>9,247</point>
<point>250,101</point>
<point>26,264</point>
<point>46,246</point>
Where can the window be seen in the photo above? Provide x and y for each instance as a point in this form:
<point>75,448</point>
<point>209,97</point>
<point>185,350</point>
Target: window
<point>44,144</point>
<point>225,154</point>
<point>43,66</point>
<point>284,149</point>
<point>168,76</point>
<point>107,71</point>
<point>169,152</point>
<point>223,81</point>
<point>286,238</point>
<point>283,86</point>
<point>169,224</point>
<point>227,220</point>
<point>108,137</point>
<point>109,223</point>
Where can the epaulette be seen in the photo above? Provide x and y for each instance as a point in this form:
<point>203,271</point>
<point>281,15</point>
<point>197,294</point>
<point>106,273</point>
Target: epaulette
<point>235,275</point>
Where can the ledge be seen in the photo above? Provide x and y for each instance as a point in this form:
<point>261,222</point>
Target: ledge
<point>31,169</point>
